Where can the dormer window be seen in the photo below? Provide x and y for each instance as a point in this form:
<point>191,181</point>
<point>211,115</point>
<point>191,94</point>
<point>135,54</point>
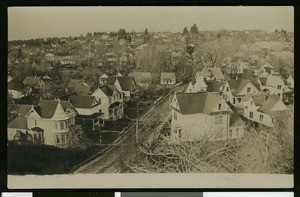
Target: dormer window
<point>248,89</point>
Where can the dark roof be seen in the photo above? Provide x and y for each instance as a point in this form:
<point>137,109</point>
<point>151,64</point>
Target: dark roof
<point>213,86</point>
<point>82,101</point>
<point>37,129</point>
<point>263,80</point>
<point>235,118</point>
<point>237,85</point>
<point>46,108</point>
<point>31,81</point>
<point>141,77</point>
<point>126,82</point>
<point>108,90</point>
<point>200,102</point>
<point>115,104</point>
<point>93,116</point>
<point>269,103</point>
<point>111,80</point>
<point>19,122</point>
<point>15,84</point>
<point>23,109</point>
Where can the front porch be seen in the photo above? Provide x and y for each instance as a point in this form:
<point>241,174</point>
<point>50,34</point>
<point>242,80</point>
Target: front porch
<point>115,111</point>
<point>89,122</point>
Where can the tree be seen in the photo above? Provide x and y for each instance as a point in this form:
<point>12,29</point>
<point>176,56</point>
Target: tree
<point>20,55</point>
<point>146,36</point>
<point>185,31</point>
<point>194,29</point>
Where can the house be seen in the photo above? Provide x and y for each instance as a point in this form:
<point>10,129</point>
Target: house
<point>216,86</point>
<point>236,125</point>
<point>103,79</point>
<point>268,68</point>
<point>216,74</point>
<point>88,111</point>
<point>16,89</point>
<point>272,84</point>
<point>143,79</point>
<point>235,90</point>
<point>124,84</point>
<point>47,123</point>
<point>49,57</point>
<point>167,78</point>
<point>211,74</point>
<point>67,61</point>
<point>34,83</point>
<point>262,108</point>
<point>199,115</point>
<point>111,101</point>
<point>197,85</point>
<point>290,82</point>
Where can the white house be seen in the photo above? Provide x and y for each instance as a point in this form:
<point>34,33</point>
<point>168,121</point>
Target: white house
<point>261,108</point>
<point>111,102</point>
<point>47,123</point>
<point>199,115</point>
<point>16,89</point>
<point>124,84</point>
<point>197,85</point>
<point>272,84</point>
<point>290,82</point>
<point>103,79</point>
<point>167,78</point>
<point>235,90</point>
<point>88,109</point>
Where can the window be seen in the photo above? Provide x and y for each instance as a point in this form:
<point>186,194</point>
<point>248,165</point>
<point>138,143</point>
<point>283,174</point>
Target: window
<point>179,133</point>
<point>227,89</point>
<point>57,139</point>
<point>35,122</point>
<point>35,137</point>
<point>251,114</point>
<point>62,125</point>
<point>279,87</point>
<point>251,102</point>
<point>249,89</point>
<point>63,139</point>
<point>220,105</point>
<point>120,95</point>
<point>261,117</point>
<point>175,116</point>
<point>218,119</point>
<point>40,137</point>
<point>55,125</point>
<point>230,133</point>
<point>233,100</point>
<point>239,100</point>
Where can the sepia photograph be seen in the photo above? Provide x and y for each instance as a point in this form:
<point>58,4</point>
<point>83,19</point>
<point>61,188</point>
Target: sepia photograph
<point>149,95</point>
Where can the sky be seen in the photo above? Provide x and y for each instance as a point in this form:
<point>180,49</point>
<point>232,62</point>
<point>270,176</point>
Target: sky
<point>39,22</point>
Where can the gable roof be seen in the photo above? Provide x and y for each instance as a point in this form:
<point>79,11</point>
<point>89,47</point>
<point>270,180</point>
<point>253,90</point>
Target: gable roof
<point>269,103</point>
<point>216,73</point>
<point>19,122</point>
<point>15,84</point>
<point>31,81</point>
<point>200,102</point>
<point>82,101</point>
<point>214,86</point>
<point>23,110</point>
<point>205,72</point>
<point>126,82</point>
<point>141,77</point>
<point>237,86</point>
<point>47,108</point>
<point>167,75</point>
<point>111,80</point>
<point>235,118</point>
<point>108,89</point>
